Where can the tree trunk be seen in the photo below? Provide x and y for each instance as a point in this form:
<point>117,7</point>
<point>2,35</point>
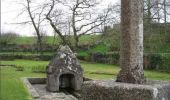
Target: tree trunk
<point>39,43</point>
<point>131,42</point>
<point>39,40</point>
<point>76,42</point>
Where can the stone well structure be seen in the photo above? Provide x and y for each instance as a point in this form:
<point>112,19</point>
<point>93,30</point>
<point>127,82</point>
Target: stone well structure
<point>64,71</point>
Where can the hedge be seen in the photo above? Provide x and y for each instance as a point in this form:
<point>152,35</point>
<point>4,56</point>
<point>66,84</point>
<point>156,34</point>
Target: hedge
<point>29,57</point>
<point>152,61</point>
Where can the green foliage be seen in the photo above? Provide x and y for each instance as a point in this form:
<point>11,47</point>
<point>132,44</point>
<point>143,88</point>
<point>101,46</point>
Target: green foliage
<point>86,55</point>
<point>157,61</point>
<point>81,53</point>
<point>24,53</point>
<point>107,58</point>
<point>154,61</point>
<point>8,38</point>
<point>10,56</point>
<point>89,39</point>
<point>111,37</point>
<point>39,69</point>
<point>19,68</point>
<point>165,63</point>
<point>100,48</point>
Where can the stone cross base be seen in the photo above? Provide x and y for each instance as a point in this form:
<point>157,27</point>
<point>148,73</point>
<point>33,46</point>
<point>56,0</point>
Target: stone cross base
<point>111,90</point>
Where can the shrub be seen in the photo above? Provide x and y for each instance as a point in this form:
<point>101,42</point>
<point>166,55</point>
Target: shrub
<point>152,61</point>
<point>108,58</point>
<point>166,63</point>
<point>8,38</point>
<point>156,61</point>
<point>82,55</point>
<point>22,56</point>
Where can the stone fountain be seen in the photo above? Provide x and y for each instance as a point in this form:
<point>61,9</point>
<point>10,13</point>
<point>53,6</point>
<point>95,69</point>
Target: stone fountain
<point>64,71</point>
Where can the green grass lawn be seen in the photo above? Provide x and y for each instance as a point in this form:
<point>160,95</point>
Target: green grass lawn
<point>12,87</point>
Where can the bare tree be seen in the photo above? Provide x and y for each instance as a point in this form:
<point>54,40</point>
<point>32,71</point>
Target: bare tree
<point>156,10</point>
<point>77,17</point>
<point>53,24</point>
<point>83,18</point>
<point>36,19</point>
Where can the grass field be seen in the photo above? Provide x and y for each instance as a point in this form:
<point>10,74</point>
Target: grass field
<point>12,87</point>
<point>86,39</point>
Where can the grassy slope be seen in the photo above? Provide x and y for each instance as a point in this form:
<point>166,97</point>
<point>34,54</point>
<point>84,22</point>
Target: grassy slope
<point>31,40</point>
<point>156,43</point>
<point>25,40</point>
<point>12,85</point>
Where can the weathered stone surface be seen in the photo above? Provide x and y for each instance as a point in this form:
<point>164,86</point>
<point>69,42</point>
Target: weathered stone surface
<point>37,89</point>
<point>31,89</point>
<point>131,51</point>
<point>46,95</point>
<point>64,71</point>
<point>111,90</point>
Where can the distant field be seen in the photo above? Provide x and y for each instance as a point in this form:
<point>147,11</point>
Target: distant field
<point>50,39</point>
<point>156,43</point>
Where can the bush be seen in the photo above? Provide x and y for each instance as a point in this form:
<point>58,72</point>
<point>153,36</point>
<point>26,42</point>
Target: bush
<point>152,61</point>
<point>8,38</point>
<point>29,57</point>
<point>166,63</point>
<point>156,61</point>
<point>82,55</point>
<point>107,58</point>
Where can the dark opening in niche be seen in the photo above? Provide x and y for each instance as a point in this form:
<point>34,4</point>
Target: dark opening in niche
<point>67,81</point>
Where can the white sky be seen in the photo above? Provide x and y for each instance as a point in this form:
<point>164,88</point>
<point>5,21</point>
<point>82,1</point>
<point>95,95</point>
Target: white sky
<point>9,11</point>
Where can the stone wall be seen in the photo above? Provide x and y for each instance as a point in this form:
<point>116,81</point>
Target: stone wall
<point>111,90</point>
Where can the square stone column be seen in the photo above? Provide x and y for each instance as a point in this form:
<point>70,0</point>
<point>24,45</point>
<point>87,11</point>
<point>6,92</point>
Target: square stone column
<point>131,42</point>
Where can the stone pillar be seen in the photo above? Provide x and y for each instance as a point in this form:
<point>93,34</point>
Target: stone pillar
<point>131,42</point>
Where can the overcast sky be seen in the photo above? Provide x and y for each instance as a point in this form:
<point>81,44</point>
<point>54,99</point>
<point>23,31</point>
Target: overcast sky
<point>9,11</point>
